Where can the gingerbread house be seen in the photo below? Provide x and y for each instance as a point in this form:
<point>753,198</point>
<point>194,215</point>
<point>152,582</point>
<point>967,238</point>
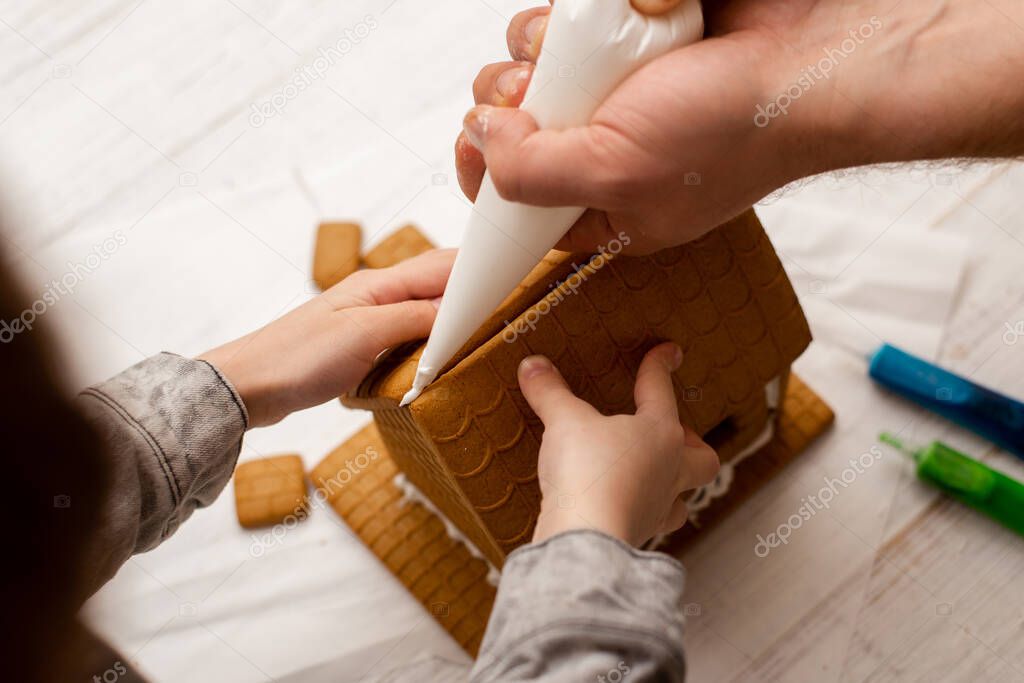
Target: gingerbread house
<point>467,447</point>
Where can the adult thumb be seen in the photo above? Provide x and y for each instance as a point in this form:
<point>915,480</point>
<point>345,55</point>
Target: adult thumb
<point>546,391</point>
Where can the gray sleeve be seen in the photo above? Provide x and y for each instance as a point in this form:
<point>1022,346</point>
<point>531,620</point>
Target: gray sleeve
<point>172,428</point>
<point>582,606</point>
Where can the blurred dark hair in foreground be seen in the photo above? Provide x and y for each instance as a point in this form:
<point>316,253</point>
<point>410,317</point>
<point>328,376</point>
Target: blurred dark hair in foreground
<point>55,481</point>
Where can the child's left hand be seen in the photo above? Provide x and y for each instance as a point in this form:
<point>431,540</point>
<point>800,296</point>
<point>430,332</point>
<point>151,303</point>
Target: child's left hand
<point>325,347</point>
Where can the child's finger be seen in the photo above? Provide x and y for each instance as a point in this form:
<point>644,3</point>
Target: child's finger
<point>383,327</point>
<point>422,277</point>
<point>653,393</point>
<point>677,516</point>
<point>526,33</point>
<point>546,391</point>
<point>701,463</point>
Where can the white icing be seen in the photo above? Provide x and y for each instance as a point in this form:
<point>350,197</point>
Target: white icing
<point>723,481</point>
<point>772,393</point>
<point>720,486</point>
<point>411,494</point>
<point>703,496</point>
<point>425,374</point>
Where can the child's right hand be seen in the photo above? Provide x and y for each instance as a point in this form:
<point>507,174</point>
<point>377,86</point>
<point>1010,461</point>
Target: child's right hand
<point>624,475</point>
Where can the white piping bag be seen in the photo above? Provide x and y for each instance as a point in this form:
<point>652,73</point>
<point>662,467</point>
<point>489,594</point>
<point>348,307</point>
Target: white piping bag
<point>590,47</point>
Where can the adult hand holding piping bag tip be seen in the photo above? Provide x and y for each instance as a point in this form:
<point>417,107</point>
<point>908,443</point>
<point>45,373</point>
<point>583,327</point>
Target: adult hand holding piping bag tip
<point>618,164</point>
<point>777,91</point>
<point>600,45</point>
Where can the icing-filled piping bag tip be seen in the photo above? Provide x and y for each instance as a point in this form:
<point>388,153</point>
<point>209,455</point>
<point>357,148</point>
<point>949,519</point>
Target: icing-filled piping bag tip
<point>424,376</point>
<point>503,240</point>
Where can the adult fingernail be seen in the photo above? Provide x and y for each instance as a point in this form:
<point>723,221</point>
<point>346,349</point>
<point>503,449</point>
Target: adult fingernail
<point>510,82</point>
<point>533,366</point>
<point>475,124</point>
<point>436,303</point>
<point>655,8</point>
<point>534,34</point>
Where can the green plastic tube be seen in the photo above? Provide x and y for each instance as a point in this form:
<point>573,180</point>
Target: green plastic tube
<point>971,482</point>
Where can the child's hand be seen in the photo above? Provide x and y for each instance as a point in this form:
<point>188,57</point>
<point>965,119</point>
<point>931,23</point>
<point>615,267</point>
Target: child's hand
<point>325,347</point>
<point>623,475</point>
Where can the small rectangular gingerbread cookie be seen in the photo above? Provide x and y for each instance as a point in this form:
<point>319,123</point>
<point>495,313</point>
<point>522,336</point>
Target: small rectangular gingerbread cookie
<point>337,253</point>
<point>397,247</point>
<point>269,490</point>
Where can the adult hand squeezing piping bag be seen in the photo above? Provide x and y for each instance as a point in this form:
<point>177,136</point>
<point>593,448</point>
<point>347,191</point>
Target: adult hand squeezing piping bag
<point>590,47</point>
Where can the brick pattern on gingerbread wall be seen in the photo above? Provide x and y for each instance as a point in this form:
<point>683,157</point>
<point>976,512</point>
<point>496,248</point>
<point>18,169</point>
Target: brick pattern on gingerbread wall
<point>409,539</point>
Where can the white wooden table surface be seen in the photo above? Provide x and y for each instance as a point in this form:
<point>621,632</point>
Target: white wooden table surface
<point>136,118</point>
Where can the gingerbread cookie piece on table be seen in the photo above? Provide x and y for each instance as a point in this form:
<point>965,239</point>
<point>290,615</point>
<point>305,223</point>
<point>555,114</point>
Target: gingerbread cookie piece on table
<point>399,246</point>
<point>269,490</point>
<point>336,254</point>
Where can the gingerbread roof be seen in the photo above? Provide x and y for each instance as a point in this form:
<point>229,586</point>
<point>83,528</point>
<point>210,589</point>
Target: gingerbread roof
<point>470,441</point>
